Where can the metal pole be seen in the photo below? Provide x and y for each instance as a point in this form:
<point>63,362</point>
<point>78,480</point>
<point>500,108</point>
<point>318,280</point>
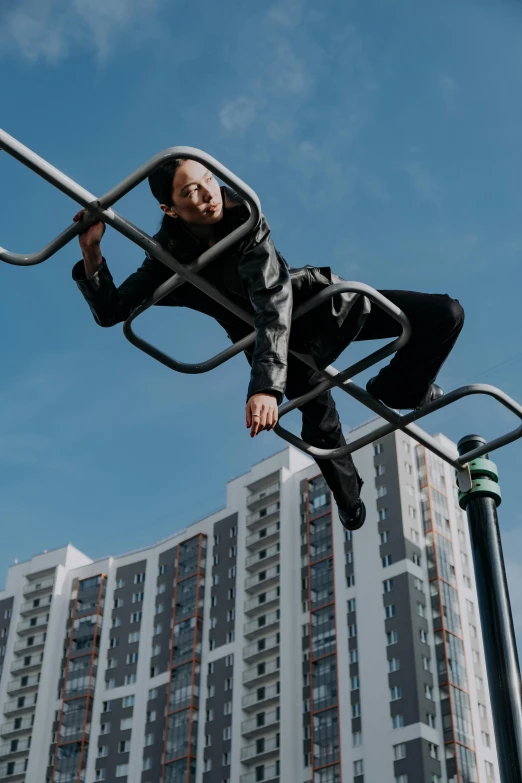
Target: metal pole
<point>495,610</point>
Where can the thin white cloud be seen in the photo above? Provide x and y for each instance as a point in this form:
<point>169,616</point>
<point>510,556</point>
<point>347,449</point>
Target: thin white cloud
<point>422,182</point>
<point>50,30</point>
<point>449,92</point>
<point>238,114</point>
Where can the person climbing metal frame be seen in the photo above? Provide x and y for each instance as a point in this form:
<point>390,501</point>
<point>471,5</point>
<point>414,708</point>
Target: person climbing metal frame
<point>101,209</point>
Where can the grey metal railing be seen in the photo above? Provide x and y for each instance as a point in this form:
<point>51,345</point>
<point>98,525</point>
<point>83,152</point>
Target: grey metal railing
<point>101,209</point>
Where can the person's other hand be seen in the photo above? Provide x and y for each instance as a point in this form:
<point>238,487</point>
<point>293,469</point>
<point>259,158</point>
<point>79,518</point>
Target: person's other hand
<point>261,413</point>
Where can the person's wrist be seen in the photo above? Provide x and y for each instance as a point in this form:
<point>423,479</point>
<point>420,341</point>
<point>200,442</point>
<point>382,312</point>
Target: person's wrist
<point>92,253</point>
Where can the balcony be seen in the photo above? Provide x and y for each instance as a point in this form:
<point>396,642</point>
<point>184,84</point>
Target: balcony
<point>38,588</point>
<point>12,769</point>
<point>260,498</point>
<point>42,606</point>
<point>250,753</point>
<point>252,702</point>
<point>13,706</point>
<point>264,537</point>
<point>24,683</point>
<point>255,605</point>
<point>27,626</point>
<point>19,666</point>
<point>271,775</point>
<point>26,724</point>
<point>263,558</point>
<point>260,518</point>
<point>252,653</point>
<point>253,629</point>
<point>251,727</point>
<point>23,647</point>
<point>271,577</point>
<point>22,746</point>
<point>252,678</point>
<point>69,777</point>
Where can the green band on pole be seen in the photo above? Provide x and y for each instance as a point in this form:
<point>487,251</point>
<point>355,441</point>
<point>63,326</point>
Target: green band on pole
<point>482,487</point>
<point>481,468</point>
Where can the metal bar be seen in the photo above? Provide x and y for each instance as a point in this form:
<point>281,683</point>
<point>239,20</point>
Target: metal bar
<point>496,618</point>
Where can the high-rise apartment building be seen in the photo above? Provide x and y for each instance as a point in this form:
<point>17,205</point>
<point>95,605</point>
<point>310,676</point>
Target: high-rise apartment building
<point>262,643</point>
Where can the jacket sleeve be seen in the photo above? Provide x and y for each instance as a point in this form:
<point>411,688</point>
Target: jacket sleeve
<point>111,305</point>
<point>266,278</point>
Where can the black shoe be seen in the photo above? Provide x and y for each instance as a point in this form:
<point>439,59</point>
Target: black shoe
<point>354,519</point>
<point>433,393</point>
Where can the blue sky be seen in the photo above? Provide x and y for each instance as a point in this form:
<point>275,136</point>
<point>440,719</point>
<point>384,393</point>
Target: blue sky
<point>383,140</point>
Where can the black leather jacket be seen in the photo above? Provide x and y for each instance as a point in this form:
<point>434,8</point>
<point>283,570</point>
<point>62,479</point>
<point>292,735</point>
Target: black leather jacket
<point>253,274</point>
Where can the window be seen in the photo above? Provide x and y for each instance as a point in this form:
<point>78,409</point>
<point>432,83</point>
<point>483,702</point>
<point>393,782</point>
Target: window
<point>216,559</point>
<point>124,746</point>
<point>132,657</point>
<point>227,733</point>
<point>207,766</point>
<point>112,663</point>
<point>110,684</point>
<point>103,751</point>
<point>107,706</point>
<point>149,740</point>
<point>408,468</point>
<point>482,710</point>
<point>355,683</point>
<point>229,683</point>
<point>231,572</point>
<point>116,622</point>
<point>475,655</point>
<point>225,761</point>
<point>410,490</point>
<point>356,710</point>
<point>128,701</point>
<point>431,720</point>
<point>392,637</point>
<point>426,663</point>
<point>151,716</point>
<point>416,558</point>
<point>407,446</point>
<point>139,578</point>
<point>394,664</point>
<point>159,608</point>
<point>350,580</point>
<point>154,671</point>
<point>380,470</point>
<point>120,583</point>
<point>351,605</point>
<point>349,558</point>
<point>100,774</point>
<point>227,708</point>
<point>389,611</point>
<point>421,610</point>
<point>378,448</point>
<point>215,581</point>
<point>383,514</point>
<point>162,570</point>
<point>233,531</point>
<point>230,637</point>
<point>418,584</point>
<point>352,631</point>
<point>401,779</point>
<point>464,558</point>
<point>122,770</point>
<point>470,606</point>
<point>354,656</point>
<point>231,615</point>
<point>217,539</point>
<point>147,763</point>
<point>158,628</point>
<point>490,772</point>
<point>356,739</point>
<point>395,693</point>
<point>229,660</point>
<point>467,581</point>
<point>434,750</point>
<point>136,617</point>
<point>423,636</point>
<point>414,535</point>
<point>358,767</point>
<point>125,724</point>
<point>382,490</point>
<point>398,721</point>
<point>105,728</point>
<point>486,740</point>
<point>232,552</point>
<point>134,637</point>
<point>231,593</point>
<point>130,679</point>
<point>388,585</point>
<point>399,751</point>
<point>387,561</point>
<point>156,650</point>
<point>161,588</point>
<point>428,691</point>
<point>137,598</point>
<point>473,631</point>
<point>412,512</point>
<point>153,693</point>
<point>385,536</point>
<point>347,536</point>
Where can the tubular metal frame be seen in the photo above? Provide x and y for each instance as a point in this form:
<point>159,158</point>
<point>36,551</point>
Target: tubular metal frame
<point>101,209</point>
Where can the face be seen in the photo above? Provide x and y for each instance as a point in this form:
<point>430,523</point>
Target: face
<point>196,195</point>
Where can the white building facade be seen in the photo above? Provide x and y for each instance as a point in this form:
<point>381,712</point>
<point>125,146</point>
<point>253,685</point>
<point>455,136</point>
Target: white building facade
<point>262,643</point>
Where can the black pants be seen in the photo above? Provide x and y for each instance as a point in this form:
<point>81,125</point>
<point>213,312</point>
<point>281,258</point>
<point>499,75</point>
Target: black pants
<point>436,322</point>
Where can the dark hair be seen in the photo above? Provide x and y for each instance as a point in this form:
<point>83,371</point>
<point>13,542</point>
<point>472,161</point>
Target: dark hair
<point>161,181</point>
